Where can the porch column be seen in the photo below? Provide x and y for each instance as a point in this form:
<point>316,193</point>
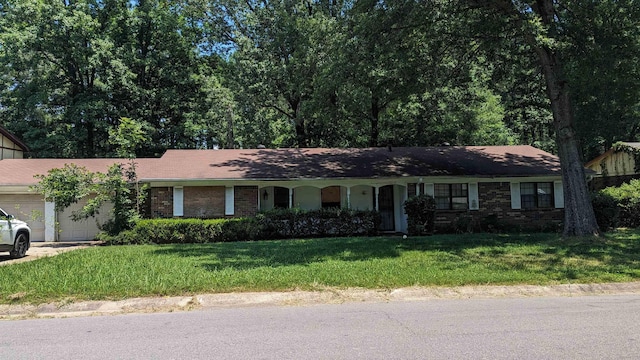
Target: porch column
<point>49,221</point>
<point>377,198</point>
<point>348,197</point>
<point>290,198</point>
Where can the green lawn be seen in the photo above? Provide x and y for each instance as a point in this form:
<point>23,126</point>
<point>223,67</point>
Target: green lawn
<point>116,272</point>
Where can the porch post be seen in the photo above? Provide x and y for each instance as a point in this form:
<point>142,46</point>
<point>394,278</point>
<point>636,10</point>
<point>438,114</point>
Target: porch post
<point>377,198</point>
<point>348,197</point>
<point>49,221</point>
<point>290,198</point>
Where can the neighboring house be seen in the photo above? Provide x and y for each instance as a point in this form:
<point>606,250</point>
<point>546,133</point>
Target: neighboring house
<point>10,146</point>
<point>518,185</point>
<point>616,166</point>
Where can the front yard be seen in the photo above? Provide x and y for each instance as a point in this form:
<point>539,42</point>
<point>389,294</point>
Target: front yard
<point>117,272</point>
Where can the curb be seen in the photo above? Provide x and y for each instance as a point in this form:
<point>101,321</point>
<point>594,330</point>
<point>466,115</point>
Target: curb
<point>306,298</point>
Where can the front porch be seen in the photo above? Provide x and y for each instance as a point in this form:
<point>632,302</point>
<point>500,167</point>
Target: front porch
<point>385,199</point>
<point>217,200</point>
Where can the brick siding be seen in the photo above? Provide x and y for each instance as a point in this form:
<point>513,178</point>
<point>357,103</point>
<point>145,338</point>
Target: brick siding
<point>495,210</point>
<point>245,201</point>
<point>161,204</point>
<point>206,202</point>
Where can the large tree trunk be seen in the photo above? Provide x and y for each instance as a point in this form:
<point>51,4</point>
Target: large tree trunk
<point>579,218</point>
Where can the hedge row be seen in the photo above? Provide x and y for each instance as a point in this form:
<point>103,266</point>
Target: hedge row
<point>277,224</point>
<point>618,206</point>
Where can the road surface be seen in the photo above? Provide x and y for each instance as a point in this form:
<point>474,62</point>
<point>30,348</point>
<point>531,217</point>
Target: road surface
<point>588,327</point>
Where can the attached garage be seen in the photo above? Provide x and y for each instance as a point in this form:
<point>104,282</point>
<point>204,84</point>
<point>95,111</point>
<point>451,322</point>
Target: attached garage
<point>29,208</point>
<point>16,198</point>
<point>69,230</point>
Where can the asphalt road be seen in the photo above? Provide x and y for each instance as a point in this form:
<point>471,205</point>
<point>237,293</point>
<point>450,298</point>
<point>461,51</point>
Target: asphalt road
<point>589,327</point>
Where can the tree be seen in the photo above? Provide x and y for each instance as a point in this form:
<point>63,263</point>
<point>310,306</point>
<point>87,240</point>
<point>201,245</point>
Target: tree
<point>603,64</point>
<point>53,63</point>
<point>540,23</point>
<point>118,186</point>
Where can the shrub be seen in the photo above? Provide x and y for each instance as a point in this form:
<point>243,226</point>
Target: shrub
<point>606,210</point>
<point>627,200</point>
<point>186,231</point>
<point>420,212</point>
<point>277,224</point>
<point>286,223</point>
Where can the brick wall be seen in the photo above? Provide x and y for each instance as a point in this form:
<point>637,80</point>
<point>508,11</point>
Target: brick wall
<point>161,202</point>
<point>206,202</point>
<point>495,206</point>
<point>245,201</point>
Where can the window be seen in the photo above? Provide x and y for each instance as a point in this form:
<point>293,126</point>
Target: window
<point>536,195</point>
<point>451,196</point>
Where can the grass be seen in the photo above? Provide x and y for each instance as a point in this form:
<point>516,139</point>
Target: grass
<point>116,272</point>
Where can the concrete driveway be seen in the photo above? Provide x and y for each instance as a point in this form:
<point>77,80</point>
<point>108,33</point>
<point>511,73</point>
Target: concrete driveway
<point>43,249</point>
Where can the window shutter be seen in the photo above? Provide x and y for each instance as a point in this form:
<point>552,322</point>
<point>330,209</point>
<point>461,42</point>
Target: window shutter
<point>474,203</point>
<point>178,201</point>
<point>228,200</point>
<point>428,189</point>
<point>515,196</point>
<point>558,194</point>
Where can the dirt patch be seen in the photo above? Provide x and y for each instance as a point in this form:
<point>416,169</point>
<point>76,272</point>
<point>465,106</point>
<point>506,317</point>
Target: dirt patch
<point>44,249</point>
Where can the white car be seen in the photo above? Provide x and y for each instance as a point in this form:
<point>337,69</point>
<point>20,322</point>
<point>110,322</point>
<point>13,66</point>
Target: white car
<point>15,235</point>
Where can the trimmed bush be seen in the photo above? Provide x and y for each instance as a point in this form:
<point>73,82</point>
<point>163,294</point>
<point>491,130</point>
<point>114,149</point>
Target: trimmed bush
<point>606,210</point>
<point>186,231</point>
<point>289,223</point>
<point>277,224</point>
<point>420,210</point>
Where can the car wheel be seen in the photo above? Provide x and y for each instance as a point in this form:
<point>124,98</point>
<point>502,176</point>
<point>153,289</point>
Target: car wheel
<point>20,247</point>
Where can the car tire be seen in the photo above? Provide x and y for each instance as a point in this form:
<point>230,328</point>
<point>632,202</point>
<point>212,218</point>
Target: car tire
<point>20,246</point>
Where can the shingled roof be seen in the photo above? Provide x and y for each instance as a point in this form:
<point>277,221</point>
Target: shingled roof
<point>315,163</point>
<point>21,172</point>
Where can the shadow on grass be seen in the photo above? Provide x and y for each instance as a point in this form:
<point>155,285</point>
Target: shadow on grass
<point>503,251</point>
<point>248,255</point>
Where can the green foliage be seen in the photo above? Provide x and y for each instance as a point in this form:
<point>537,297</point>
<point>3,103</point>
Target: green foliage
<point>186,231</point>
<point>295,223</point>
<point>128,137</point>
<point>420,210</point>
<point>117,187</point>
<point>66,186</point>
<point>606,209</point>
<point>627,199</point>
<point>276,224</point>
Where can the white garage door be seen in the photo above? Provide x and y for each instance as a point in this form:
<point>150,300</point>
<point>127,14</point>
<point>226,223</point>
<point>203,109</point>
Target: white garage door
<point>29,208</point>
<point>70,230</point>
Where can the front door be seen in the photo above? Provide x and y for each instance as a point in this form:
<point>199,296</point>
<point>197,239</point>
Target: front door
<point>386,209</point>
